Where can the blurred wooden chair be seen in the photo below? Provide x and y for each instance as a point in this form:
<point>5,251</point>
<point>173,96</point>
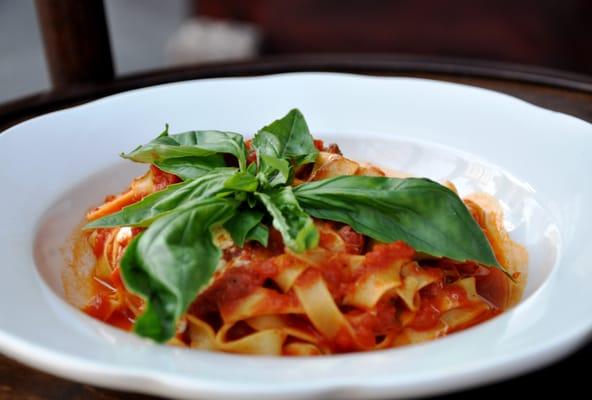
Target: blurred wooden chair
<point>76,41</point>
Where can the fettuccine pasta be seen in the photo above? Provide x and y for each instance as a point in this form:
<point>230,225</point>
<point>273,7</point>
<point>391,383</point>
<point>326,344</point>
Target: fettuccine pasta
<point>350,293</point>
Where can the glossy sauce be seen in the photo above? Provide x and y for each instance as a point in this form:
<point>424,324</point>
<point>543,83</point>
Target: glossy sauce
<point>254,267</point>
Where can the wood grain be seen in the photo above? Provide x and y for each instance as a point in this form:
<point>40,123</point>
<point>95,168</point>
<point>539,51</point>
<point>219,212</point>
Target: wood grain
<point>76,41</point>
<point>22,383</point>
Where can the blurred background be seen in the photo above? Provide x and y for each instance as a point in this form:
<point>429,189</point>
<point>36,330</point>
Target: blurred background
<point>152,34</point>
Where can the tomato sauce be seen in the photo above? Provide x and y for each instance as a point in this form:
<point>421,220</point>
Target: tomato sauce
<point>109,305</point>
<point>254,267</point>
<point>234,283</point>
<point>113,304</point>
<point>346,261</point>
<point>101,235</point>
<point>162,179</point>
<point>383,255</point>
<point>427,317</point>
<point>354,242</point>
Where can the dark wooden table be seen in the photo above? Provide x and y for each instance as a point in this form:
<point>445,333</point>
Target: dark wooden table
<point>564,92</point>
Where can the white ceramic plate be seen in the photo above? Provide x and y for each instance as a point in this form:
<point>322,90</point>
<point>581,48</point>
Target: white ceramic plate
<point>536,161</point>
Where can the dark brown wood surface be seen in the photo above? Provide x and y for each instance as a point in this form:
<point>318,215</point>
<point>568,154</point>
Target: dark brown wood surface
<point>567,93</point>
<point>76,41</point>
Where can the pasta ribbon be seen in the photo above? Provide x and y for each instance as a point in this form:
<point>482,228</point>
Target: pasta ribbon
<point>348,293</point>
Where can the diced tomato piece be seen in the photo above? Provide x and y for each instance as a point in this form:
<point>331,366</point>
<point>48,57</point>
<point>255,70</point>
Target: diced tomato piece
<point>354,242</point>
<point>319,144</point>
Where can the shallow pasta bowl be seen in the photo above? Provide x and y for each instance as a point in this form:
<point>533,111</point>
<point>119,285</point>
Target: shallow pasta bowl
<point>534,160</point>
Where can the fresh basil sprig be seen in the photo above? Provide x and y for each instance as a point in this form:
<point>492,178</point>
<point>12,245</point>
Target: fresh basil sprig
<point>188,168</point>
<point>170,262</point>
<point>198,144</point>
<point>287,138</point>
<point>426,215</point>
<point>282,144</point>
<point>246,225</point>
<point>297,228</point>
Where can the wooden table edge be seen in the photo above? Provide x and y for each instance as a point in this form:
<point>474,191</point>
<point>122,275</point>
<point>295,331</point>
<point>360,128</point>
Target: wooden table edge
<point>512,79</point>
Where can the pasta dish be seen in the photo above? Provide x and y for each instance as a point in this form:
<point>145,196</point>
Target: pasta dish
<point>281,245</point>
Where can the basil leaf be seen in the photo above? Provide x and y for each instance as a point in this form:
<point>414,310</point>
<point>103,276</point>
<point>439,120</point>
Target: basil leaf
<point>188,168</point>
<point>242,181</point>
<point>252,169</point>
<point>158,204</point>
<point>169,263</point>
<point>241,224</point>
<point>190,144</point>
<point>287,138</point>
<point>260,233</point>
<point>251,200</point>
<point>426,215</point>
<point>297,228</point>
<point>277,171</point>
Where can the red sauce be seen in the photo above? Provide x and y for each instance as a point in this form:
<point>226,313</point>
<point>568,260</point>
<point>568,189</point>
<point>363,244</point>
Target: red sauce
<point>233,284</point>
<point>275,243</point>
<point>327,240</point>
<point>239,330</point>
<point>367,325</point>
<point>113,304</point>
<point>162,179</point>
<point>338,277</point>
<point>122,318</point>
<point>385,254</point>
<point>100,238</point>
<point>354,242</point>
<point>427,316</point>
<point>116,280</point>
<point>99,307</point>
<point>343,342</point>
<point>493,285</point>
<point>108,305</point>
<point>319,144</point>
<point>309,277</point>
<point>251,154</point>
